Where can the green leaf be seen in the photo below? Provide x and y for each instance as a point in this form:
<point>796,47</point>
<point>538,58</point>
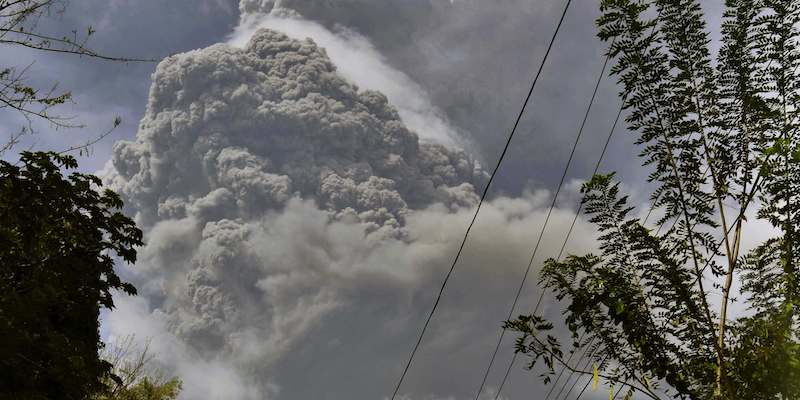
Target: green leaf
<point>629,394</point>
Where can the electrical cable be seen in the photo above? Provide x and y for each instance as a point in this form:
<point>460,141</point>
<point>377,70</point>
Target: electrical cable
<point>577,379</point>
<point>485,191</point>
<point>571,372</point>
<point>572,226</point>
<point>590,381</point>
<point>546,220</point>
<point>587,383</point>
<point>540,236</point>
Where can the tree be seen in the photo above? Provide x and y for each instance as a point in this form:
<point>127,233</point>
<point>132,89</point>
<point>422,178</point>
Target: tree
<point>19,26</point>
<point>713,134</point>
<point>131,378</point>
<point>58,236</point>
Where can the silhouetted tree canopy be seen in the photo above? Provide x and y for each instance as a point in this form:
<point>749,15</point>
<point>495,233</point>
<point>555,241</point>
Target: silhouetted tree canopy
<point>58,236</point>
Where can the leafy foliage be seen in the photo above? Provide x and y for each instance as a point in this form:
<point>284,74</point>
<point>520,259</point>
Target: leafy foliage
<point>56,271</point>
<point>131,378</point>
<point>712,134</point>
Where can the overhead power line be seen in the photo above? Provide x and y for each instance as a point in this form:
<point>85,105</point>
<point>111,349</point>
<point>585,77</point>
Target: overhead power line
<point>483,196</point>
<point>574,220</point>
<point>708,262</point>
<point>577,365</point>
<point>558,378</point>
<point>547,219</point>
<point>596,168</point>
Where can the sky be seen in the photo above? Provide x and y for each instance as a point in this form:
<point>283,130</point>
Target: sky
<point>303,200</point>
<point>474,60</point>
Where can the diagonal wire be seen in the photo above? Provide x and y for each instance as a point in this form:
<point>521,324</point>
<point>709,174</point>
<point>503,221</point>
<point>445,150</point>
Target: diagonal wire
<point>577,364</point>
<point>578,378</point>
<point>622,107</point>
<point>708,262</point>
<point>485,191</point>
<point>740,216</point>
<point>546,220</point>
<point>572,226</point>
<point>587,385</point>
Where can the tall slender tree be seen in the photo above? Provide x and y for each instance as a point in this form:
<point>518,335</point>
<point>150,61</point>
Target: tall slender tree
<point>714,134</point>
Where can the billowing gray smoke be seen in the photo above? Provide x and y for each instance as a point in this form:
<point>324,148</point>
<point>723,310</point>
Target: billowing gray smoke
<point>298,232</point>
<point>256,126</point>
<point>476,59</point>
<point>275,195</point>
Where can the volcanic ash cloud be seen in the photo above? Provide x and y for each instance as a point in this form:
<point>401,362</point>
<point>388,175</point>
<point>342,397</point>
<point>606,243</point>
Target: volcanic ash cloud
<point>235,132</point>
<point>273,193</point>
